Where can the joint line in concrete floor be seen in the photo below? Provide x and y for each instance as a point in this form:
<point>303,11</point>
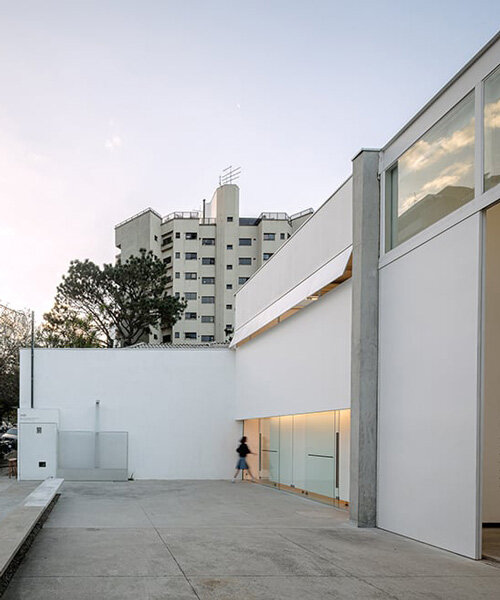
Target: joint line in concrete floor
<point>171,553</point>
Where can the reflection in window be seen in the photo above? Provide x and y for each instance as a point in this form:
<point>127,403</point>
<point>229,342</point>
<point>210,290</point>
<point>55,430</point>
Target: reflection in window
<point>492,130</point>
<point>433,177</point>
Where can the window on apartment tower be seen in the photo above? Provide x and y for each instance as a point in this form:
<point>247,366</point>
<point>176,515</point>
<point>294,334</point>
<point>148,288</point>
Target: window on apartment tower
<point>176,335</point>
<point>167,260</point>
<point>190,275</point>
<point>269,236</point>
<point>207,338</point>
<point>245,241</point>
<point>208,242</point>
<point>208,280</point>
<point>245,261</point>
<point>282,236</point>
<point>207,318</point>
<point>229,306</point>
<point>166,339</point>
<point>229,267</point>
<point>156,238</point>
<point>177,235</point>
<point>190,296</point>
<point>191,256</point>
<point>229,286</point>
<point>190,335</point>
<point>191,235</point>
<point>267,255</point>
<point>242,280</point>
<point>190,316</point>
<point>166,240</point>
<point>177,255</point>
<point>208,299</point>
<point>208,260</point>
<point>230,219</point>
<point>177,275</point>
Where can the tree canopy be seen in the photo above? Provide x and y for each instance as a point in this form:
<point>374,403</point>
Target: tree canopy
<point>119,302</point>
<point>63,327</point>
<point>15,332</point>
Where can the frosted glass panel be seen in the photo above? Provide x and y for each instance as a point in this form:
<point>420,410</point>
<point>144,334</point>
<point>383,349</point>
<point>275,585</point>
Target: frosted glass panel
<point>286,446</point>
<point>269,448</point>
<point>320,460</point>
<point>299,451</point>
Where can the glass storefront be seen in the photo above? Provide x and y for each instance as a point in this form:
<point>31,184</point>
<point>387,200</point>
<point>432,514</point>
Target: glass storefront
<point>306,453</point>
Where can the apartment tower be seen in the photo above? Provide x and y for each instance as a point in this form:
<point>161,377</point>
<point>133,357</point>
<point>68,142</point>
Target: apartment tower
<point>209,254</point>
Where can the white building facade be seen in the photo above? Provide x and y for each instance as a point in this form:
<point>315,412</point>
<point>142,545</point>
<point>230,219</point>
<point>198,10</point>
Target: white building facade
<point>364,366</point>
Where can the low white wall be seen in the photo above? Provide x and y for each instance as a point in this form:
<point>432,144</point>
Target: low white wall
<point>428,391</point>
<point>302,365</point>
<point>177,405</point>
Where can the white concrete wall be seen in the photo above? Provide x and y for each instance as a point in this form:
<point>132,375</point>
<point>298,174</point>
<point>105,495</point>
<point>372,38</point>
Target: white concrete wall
<point>327,233</point>
<point>428,391</point>
<point>177,405</point>
<point>302,365</point>
<point>491,417</point>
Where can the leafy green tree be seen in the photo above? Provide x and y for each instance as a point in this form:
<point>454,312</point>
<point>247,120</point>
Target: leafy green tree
<point>63,327</point>
<point>15,333</point>
<point>122,301</point>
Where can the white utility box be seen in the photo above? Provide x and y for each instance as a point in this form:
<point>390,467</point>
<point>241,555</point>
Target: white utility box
<point>37,443</point>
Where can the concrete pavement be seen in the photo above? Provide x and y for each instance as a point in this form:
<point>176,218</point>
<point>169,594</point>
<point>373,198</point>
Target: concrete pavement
<point>214,540</point>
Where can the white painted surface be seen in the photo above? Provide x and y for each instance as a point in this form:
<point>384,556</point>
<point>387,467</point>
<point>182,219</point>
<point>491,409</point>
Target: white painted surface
<point>298,297</point>
<point>302,365</point>
<point>325,235</point>
<point>177,405</point>
<point>491,420</point>
<point>428,391</point>
<point>37,450</point>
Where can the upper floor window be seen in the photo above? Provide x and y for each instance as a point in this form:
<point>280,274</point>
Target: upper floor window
<point>208,260</point>
<point>177,235</point>
<point>208,280</point>
<point>229,247</point>
<point>191,255</point>
<point>207,319</point>
<point>282,236</point>
<point>433,177</point>
<point>177,255</point>
<point>230,219</point>
<point>269,236</point>
<point>242,280</point>
<point>190,335</point>
<point>229,306</point>
<point>245,260</point>
<point>208,242</point>
<point>190,275</point>
<point>191,235</point>
<point>208,299</point>
<point>190,295</point>
<point>492,130</point>
<point>229,267</point>
<point>167,260</point>
<point>267,255</point>
<point>229,286</point>
<point>245,241</point>
<point>166,240</point>
<point>190,315</point>
<point>207,338</point>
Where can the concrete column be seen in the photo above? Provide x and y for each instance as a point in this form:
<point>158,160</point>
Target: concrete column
<point>364,352</point>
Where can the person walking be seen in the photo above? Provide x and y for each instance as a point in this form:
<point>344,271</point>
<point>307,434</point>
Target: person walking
<point>243,451</point>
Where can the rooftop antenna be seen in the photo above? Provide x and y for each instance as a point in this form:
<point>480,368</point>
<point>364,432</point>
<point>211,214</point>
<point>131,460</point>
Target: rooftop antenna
<point>229,174</point>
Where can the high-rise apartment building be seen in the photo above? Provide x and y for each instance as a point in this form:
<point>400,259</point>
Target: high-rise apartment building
<point>209,254</point>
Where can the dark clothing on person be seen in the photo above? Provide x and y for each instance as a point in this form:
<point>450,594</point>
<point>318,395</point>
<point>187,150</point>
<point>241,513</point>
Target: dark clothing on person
<point>243,450</point>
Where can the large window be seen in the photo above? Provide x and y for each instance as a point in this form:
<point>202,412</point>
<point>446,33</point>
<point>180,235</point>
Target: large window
<point>433,177</point>
<point>244,260</point>
<point>208,299</point>
<point>190,275</point>
<point>208,280</point>
<point>208,260</point>
<point>245,241</point>
<point>191,255</point>
<point>492,130</point>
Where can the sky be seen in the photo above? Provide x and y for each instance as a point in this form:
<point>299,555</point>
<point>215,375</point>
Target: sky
<point>109,107</point>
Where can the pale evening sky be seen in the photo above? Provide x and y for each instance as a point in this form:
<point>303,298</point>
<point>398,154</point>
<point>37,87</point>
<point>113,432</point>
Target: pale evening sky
<point>108,107</point>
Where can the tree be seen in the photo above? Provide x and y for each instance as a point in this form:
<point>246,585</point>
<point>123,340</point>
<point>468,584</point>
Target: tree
<point>63,327</point>
<point>15,332</point>
<point>123,300</point>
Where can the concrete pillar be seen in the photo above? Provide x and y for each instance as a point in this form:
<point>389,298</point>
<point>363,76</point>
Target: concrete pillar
<point>364,352</point>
